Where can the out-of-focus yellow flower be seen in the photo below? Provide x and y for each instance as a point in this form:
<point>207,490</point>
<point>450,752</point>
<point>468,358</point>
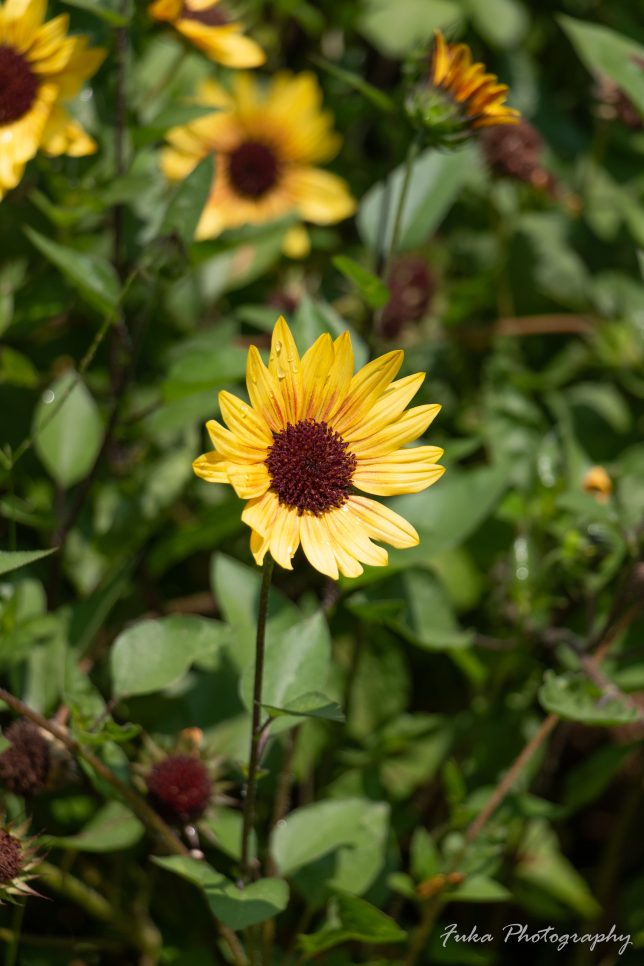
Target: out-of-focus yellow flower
<point>313,436</point>
<point>458,97</point>
<point>598,483</point>
<point>40,68</point>
<point>206,24</point>
<point>268,142</point>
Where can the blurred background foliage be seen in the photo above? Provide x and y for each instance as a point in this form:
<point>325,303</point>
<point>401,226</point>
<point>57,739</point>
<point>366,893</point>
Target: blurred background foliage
<point>518,287</point>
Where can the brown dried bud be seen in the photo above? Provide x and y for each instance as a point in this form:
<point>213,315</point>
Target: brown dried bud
<point>25,766</point>
<point>598,483</point>
<point>411,288</point>
<point>515,151</point>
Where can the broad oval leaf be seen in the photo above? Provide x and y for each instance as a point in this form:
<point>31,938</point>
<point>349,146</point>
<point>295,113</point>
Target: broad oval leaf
<point>67,429</point>
<point>153,654</point>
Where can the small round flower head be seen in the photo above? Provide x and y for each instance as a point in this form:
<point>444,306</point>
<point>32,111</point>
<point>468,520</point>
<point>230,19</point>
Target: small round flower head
<point>10,857</point>
<point>25,765</point>
<point>411,287</point>
<point>456,97</point>
<point>598,483</point>
<point>180,788</point>
<point>515,151</point>
<point>17,860</point>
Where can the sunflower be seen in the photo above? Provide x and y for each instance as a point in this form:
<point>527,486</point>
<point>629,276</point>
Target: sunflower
<point>206,24</point>
<point>458,97</point>
<point>313,436</point>
<point>267,142</point>
<point>40,68</point>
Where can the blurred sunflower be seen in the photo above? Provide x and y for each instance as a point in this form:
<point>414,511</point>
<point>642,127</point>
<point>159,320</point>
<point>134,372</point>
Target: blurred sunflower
<point>206,24</point>
<point>267,142</point>
<point>313,435</point>
<point>459,96</point>
<point>40,68</point>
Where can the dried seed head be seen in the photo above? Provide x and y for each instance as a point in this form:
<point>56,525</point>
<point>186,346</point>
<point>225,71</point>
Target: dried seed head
<point>25,766</point>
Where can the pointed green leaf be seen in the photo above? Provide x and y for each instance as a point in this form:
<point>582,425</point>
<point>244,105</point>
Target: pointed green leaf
<point>91,276</point>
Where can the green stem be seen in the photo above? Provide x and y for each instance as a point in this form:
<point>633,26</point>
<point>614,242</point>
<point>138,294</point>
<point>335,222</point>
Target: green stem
<point>12,950</point>
<point>412,154</point>
<point>256,728</point>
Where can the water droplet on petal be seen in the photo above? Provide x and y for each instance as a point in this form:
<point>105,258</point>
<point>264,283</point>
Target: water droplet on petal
<point>48,396</point>
<point>278,347</point>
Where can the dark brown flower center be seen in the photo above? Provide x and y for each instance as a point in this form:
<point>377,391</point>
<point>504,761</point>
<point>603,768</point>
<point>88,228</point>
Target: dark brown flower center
<point>253,169</point>
<point>310,467</point>
<point>210,16</point>
<point>18,85</point>
<point>10,857</point>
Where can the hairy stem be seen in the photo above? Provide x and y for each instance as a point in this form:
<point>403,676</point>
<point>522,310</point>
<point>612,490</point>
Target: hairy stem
<point>256,728</point>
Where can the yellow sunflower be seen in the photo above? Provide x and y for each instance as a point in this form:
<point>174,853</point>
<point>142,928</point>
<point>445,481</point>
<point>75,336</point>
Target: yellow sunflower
<point>458,97</point>
<point>313,436</point>
<point>40,68</point>
<point>268,142</point>
<point>206,24</point>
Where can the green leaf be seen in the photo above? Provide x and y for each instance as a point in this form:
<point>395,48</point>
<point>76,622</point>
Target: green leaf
<point>354,828</point>
<point>225,828</point>
<point>503,23</point>
<point>68,430</point>
<point>352,919</point>
<point>236,587</point>
<point>607,52</point>
<point>448,513</point>
<point>480,888</point>
<point>542,866</point>
<point>373,289</point>
<point>436,181</point>
<point>105,9</point>
<point>236,908</point>
<point>295,662</point>
<point>13,559</point>
<point>576,698</point>
<point>394,28</point>
<point>91,276</point>
<point>313,704</point>
<point>154,654</point>
<point>587,780</point>
<point>113,828</point>
<point>185,208</point>
<point>370,93</point>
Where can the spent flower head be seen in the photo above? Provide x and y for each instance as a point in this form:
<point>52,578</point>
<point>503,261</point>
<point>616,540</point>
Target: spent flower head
<point>18,860</point>
<point>25,766</point>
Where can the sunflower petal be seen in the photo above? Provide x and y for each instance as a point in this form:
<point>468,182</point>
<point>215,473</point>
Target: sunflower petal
<point>382,523</point>
<point>259,514</point>
<point>365,387</point>
<point>211,467</point>
<point>285,536</point>
<point>244,421</point>
<point>317,545</point>
<point>409,427</point>
<point>249,481</point>
<point>286,369</point>
<point>233,447</point>
<point>264,392</point>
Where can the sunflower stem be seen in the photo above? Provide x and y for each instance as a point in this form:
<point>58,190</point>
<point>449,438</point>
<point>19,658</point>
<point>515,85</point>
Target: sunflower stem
<point>256,726</point>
